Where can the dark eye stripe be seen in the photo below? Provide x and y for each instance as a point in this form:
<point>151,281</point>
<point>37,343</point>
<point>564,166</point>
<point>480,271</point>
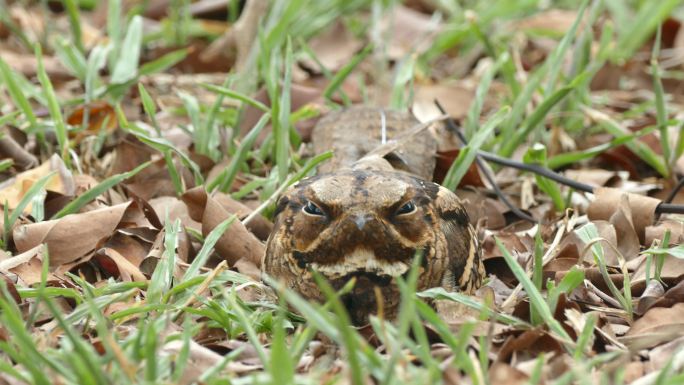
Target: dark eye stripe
<point>311,209</point>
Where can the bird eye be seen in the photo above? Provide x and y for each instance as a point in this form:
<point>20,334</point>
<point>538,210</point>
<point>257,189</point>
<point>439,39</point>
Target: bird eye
<point>407,208</point>
<point>311,209</point>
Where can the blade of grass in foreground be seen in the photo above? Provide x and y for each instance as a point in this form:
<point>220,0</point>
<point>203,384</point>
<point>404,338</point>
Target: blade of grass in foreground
<point>33,191</point>
<point>99,189</point>
<point>536,298</point>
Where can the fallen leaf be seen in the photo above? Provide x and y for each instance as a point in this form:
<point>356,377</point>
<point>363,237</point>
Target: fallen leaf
<point>333,48</point>
<point>14,189</point>
<point>606,203</point>
<point>657,326</point>
<point>72,236</point>
<point>127,271</point>
<point>237,242</point>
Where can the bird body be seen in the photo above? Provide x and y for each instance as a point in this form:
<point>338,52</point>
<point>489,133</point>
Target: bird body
<point>370,222</point>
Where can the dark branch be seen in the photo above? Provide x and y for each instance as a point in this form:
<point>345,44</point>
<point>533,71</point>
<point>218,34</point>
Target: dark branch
<point>663,208</point>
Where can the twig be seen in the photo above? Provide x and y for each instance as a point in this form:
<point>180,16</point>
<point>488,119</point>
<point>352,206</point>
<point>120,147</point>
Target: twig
<point>485,169</point>
<point>674,191</point>
<point>663,208</point>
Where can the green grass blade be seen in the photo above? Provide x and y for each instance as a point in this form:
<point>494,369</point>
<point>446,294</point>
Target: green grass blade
<point>642,150</point>
<point>467,154</point>
<point>648,17</point>
<point>18,97</point>
<point>535,296</point>
<point>55,110</point>
<point>345,71</point>
<point>472,123</point>
<point>75,24</point>
<point>568,158</point>
<point>208,247</point>
<point>126,67</point>
<point>34,190</point>
<point>661,107</point>
<point>162,277</point>
<point>539,114</point>
<point>536,154</point>
<point>71,57</point>
<point>97,190</point>
<point>237,96</point>
<point>149,107</point>
<point>225,180</point>
<point>163,63</point>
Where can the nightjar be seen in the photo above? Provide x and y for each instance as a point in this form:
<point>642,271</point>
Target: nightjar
<point>369,222</point>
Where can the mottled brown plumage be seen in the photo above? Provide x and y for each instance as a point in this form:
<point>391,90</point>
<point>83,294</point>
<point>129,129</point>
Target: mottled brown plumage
<point>370,223</point>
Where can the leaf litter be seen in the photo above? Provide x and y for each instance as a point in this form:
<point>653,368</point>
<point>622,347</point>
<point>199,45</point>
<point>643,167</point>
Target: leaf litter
<point>154,267</point>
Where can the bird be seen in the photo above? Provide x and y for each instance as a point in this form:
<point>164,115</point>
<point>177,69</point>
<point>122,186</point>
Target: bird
<point>367,221</point>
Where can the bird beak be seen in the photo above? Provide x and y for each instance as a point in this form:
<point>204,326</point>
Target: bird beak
<point>360,220</point>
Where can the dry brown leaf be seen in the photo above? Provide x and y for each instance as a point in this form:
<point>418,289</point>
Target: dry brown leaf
<point>654,291</point>
<point>73,236</point>
<point>407,31</point>
<point>672,272</point>
<point>260,226</point>
<point>671,297</point>
<point>127,243</point>
<point>608,199</point>
<point>657,326</point>
<point>333,48</point>
<point>9,148</point>
<point>14,189</point>
<point>99,114</point>
<point>127,271</point>
<point>28,266</point>
<point>174,208</point>
<point>658,231</point>
<point>237,242</point>
<point>593,177</point>
<point>455,98</point>
<point>626,236</point>
<point>501,373</point>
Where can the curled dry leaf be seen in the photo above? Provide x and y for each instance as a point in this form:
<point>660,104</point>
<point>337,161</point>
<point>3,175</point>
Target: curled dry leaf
<point>654,291</point>
<point>9,148</point>
<point>658,231</point>
<point>27,266</point>
<point>73,236</point>
<point>126,269</point>
<point>260,226</point>
<point>626,236</point>
<point>13,190</point>
<point>174,208</point>
<point>608,200</point>
<point>237,242</point>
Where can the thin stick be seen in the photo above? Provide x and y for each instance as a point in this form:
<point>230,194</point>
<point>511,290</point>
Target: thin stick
<point>662,208</point>
<point>486,170</point>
